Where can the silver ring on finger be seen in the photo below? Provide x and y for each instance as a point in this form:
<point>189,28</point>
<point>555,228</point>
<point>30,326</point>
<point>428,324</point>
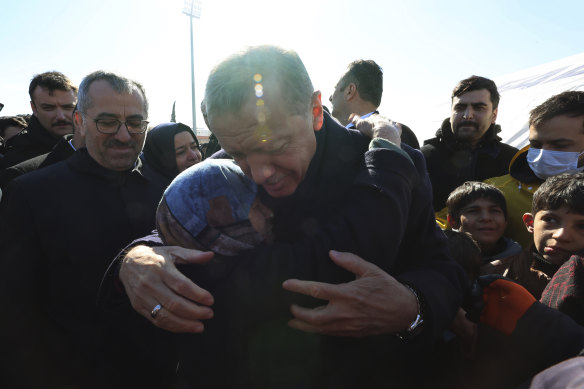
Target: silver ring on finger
<point>155,311</point>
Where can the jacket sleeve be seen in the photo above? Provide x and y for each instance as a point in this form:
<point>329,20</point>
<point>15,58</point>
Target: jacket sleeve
<point>387,219</point>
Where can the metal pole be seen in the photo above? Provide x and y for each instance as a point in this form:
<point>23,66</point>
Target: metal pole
<point>193,109</point>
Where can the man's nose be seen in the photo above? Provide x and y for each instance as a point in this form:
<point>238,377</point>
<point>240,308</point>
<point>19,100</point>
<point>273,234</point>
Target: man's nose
<point>123,135</point>
<point>468,114</point>
<point>260,168</point>
<point>331,98</point>
<point>61,114</point>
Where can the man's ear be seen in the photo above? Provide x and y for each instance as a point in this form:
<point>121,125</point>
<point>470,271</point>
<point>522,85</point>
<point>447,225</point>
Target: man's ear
<point>33,107</point>
<point>495,111</point>
<point>317,115</point>
<point>452,222</point>
<point>528,221</point>
<point>350,91</point>
<point>77,117</point>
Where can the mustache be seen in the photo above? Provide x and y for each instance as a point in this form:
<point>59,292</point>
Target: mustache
<point>467,123</point>
<point>117,143</point>
<point>62,123</point>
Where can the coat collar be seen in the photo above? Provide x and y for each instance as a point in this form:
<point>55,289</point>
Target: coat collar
<point>83,163</point>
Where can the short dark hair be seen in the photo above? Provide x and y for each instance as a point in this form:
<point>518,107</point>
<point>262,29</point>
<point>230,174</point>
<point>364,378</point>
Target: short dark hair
<point>477,83</point>
<point>570,103</point>
<point>465,251</point>
<point>51,81</point>
<point>11,121</point>
<point>563,190</point>
<point>471,191</point>
<point>368,77</point>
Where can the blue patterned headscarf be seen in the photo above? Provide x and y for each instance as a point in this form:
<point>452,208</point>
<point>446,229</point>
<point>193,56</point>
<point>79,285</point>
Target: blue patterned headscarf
<point>207,207</point>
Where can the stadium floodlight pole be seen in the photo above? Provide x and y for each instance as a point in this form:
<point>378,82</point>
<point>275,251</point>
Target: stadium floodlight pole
<point>192,8</point>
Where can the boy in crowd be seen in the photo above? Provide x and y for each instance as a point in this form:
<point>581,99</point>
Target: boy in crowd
<point>557,224</point>
<point>480,209</point>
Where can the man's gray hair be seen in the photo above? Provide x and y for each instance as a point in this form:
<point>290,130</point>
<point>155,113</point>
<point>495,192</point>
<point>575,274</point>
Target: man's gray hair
<point>120,85</point>
<point>233,81</point>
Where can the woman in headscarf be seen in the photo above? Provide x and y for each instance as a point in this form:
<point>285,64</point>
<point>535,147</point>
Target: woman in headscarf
<point>170,148</point>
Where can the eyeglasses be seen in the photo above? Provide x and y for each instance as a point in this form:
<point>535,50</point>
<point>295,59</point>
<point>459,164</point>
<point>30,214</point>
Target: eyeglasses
<point>112,126</point>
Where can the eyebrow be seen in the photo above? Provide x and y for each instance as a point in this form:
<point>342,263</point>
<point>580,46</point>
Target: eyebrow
<point>104,115</point>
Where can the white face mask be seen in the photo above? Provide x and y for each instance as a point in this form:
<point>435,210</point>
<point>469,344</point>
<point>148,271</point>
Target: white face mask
<point>548,163</point>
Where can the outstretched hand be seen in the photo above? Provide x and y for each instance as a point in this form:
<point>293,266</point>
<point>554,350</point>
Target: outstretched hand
<point>377,126</point>
<point>150,277</point>
<point>374,303</point>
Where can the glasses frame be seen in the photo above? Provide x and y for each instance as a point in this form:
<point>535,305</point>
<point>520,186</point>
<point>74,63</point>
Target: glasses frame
<point>96,121</point>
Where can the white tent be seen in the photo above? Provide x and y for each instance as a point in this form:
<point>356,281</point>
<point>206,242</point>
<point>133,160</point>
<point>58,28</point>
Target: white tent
<point>524,90</point>
<point>520,92</point>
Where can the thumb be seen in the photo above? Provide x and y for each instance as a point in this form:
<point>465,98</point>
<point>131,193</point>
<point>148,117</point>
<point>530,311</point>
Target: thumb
<point>354,118</point>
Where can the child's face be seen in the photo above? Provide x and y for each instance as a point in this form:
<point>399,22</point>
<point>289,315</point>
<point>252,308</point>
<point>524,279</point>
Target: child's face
<point>484,220</point>
<point>557,233</point>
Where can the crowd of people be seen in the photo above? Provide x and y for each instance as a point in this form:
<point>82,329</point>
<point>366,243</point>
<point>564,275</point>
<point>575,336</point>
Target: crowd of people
<point>298,248</point>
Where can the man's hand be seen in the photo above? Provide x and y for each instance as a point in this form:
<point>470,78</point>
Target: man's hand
<point>150,278</point>
<point>377,126</point>
<point>375,303</point>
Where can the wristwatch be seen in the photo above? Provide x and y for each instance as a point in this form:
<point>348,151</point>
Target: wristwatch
<point>416,326</point>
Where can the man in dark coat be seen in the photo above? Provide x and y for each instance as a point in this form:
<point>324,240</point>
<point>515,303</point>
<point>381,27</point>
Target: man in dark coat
<point>52,99</point>
<point>56,246</point>
<point>359,92</point>
<point>467,147</point>
<point>327,192</point>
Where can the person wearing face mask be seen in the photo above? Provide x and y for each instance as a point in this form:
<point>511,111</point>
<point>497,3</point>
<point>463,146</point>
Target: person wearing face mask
<point>556,146</point>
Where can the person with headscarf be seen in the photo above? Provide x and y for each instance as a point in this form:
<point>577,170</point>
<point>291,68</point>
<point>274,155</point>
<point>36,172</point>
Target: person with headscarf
<point>171,148</point>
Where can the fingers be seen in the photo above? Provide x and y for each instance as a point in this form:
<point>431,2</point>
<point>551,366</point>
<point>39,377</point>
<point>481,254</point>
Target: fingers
<point>183,255</point>
<point>354,263</point>
<point>150,278</point>
<point>319,290</point>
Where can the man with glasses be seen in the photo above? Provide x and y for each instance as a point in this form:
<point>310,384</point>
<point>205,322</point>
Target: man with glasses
<point>56,247</point>
<point>52,100</point>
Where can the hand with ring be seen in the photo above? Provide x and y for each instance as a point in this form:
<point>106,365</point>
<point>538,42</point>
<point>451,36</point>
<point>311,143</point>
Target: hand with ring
<point>151,279</point>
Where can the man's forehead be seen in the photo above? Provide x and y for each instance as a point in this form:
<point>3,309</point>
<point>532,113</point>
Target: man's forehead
<point>557,128</point>
<point>43,93</point>
<point>475,96</point>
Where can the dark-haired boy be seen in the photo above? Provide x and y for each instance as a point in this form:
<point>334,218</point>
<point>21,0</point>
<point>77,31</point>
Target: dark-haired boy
<point>556,145</point>
<point>480,210</point>
<point>557,224</point>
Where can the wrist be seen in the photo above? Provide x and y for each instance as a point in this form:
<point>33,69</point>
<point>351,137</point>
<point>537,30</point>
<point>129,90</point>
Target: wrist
<point>416,325</point>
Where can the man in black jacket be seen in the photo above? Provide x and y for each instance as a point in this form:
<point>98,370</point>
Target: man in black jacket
<point>56,246</point>
<point>327,191</point>
<point>467,147</point>
<point>359,92</point>
<point>52,99</point>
